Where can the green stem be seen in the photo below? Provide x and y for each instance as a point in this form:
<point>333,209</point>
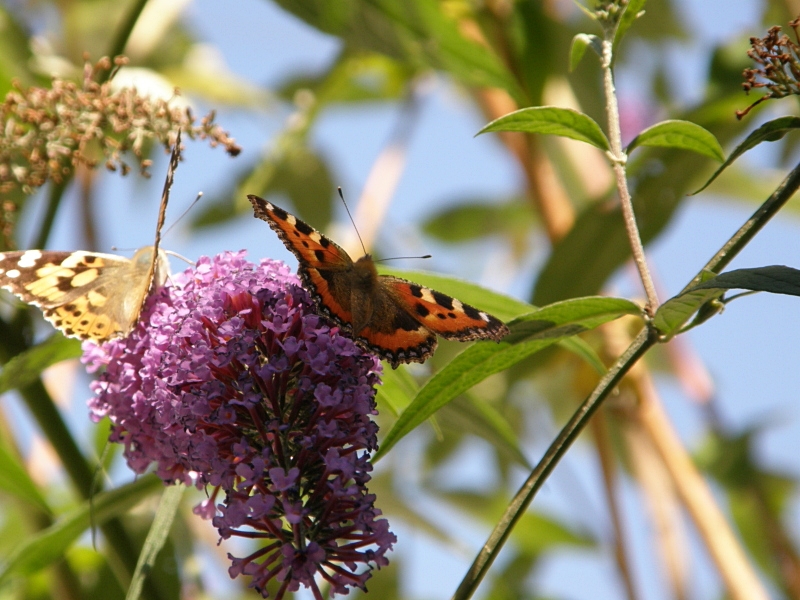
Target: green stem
<point>49,419</point>
<point>618,162</point>
<point>53,202</point>
<point>124,33</point>
<point>516,509</point>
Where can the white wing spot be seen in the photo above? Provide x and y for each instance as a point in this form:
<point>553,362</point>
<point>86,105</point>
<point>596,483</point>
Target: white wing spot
<point>29,258</point>
<point>76,259</point>
<point>457,306</point>
<point>427,295</point>
<point>484,316</point>
<point>291,220</point>
<point>12,273</point>
<point>315,237</point>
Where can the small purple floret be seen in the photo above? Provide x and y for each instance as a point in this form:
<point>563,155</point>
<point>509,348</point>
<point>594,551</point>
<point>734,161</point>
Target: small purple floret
<point>230,381</point>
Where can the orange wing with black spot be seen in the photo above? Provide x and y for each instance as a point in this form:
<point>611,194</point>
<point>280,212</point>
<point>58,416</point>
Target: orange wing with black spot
<point>324,267</point>
<point>443,315</point>
<point>312,249</point>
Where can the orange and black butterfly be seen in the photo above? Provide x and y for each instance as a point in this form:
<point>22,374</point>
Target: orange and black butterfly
<point>396,319</point>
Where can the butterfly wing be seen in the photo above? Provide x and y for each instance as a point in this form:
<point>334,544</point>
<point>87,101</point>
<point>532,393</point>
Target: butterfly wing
<point>86,295</point>
<point>407,317</point>
<point>148,271</point>
<point>312,249</point>
<point>158,264</point>
<point>441,314</point>
<point>324,267</point>
<point>396,336</point>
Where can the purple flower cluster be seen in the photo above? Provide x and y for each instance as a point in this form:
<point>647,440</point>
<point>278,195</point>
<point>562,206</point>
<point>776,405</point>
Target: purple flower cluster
<point>231,382</point>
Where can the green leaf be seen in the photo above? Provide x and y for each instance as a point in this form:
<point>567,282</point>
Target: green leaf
<point>529,334</point>
<point>217,86</point>
<point>597,245</point>
<point>15,481</point>
<point>533,534</point>
<point>15,51</point>
<point>408,509</point>
<point>438,38</point>
<point>753,492</point>
<point>777,279</point>
<point>537,533</point>
<point>501,306</point>
<point>46,547</point>
<point>473,219</point>
<point>583,350</point>
<point>632,12</point>
<point>580,43</point>
<point>156,537</point>
<point>551,120</point>
<point>768,132</point>
<point>304,177</point>
<point>354,77</point>
<point>416,31</point>
<point>569,317</point>
<point>675,312</point>
<point>747,508</point>
<point>26,367</point>
<point>397,390</point>
<point>479,416</point>
<point>680,134</point>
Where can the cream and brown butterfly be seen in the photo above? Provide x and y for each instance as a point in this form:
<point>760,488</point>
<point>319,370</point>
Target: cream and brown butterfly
<point>89,295</point>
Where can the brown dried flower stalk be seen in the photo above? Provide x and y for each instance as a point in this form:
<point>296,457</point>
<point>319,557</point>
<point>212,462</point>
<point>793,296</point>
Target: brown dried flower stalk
<point>779,70</point>
<point>46,133</point>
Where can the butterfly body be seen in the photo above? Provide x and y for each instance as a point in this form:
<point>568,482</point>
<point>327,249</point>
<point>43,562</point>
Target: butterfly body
<point>394,318</point>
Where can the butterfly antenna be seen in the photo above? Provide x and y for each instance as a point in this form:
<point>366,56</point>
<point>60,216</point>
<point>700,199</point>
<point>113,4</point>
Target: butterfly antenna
<point>341,195</point>
<point>180,256</point>
<point>401,257</point>
<point>184,213</point>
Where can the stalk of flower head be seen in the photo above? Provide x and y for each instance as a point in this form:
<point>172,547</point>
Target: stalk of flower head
<point>231,383</point>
